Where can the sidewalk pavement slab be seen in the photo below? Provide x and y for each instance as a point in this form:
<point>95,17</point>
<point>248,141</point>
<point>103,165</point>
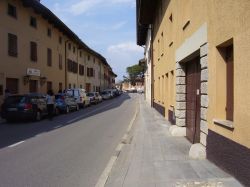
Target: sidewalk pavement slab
<point>155,159</point>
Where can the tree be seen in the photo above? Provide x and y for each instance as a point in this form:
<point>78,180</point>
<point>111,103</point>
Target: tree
<point>135,72</point>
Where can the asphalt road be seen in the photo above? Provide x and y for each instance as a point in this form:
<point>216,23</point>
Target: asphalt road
<point>71,151</point>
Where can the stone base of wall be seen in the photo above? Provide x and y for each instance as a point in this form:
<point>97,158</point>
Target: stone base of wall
<point>177,131</point>
<point>159,108</point>
<point>197,151</point>
<point>230,156</point>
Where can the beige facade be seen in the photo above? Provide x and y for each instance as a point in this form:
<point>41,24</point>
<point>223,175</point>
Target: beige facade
<point>56,49</point>
<point>214,35</point>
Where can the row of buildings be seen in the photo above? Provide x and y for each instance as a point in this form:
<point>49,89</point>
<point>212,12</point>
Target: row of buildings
<point>39,52</point>
<point>197,56</point>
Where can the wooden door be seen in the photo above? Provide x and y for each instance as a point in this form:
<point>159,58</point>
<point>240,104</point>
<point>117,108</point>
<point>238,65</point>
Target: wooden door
<point>12,85</point>
<point>88,87</point>
<point>193,73</point>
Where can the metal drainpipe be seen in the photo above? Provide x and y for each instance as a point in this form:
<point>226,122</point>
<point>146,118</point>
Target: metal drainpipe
<point>77,68</point>
<point>152,68</point>
<point>66,81</point>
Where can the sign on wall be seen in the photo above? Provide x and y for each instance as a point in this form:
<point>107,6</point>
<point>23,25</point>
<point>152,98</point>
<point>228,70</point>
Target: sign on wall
<point>34,72</point>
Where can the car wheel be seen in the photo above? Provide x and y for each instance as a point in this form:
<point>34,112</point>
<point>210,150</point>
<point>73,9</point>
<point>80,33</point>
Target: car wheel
<point>38,116</point>
<point>67,109</point>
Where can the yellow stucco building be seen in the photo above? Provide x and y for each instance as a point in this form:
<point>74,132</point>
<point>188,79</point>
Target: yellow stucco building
<point>39,52</point>
<point>200,75</point>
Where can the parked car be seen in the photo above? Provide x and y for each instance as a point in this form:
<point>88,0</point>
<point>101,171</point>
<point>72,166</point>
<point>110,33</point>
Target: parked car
<point>94,97</point>
<point>98,96</point>
<point>105,95</point>
<point>65,103</point>
<point>111,91</point>
<point>80,95</point>
<point>22,107</point>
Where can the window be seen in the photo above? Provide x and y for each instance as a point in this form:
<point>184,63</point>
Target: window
<point>94,60</point>
<point>12,85</point>
<point>33,51</point>
<point>81,69</point>
<point>12,11</point>
<point>225,80</point>
<point>80,54</point>
<point>49,85</point>
<point>33,22</point>
<point>60,87</point>
<point>74,86</point>
<point>49,32</point>
<point>88,57</point>
<point>69,86</point>
<point>12,45</point>
<point>90,72</point>
<point>69,46</point>
<point>60,40</point>
<point>171,17</point>
<point>60,61</point>
<point>1,89</point>
<point>49,57</point>
<point>80,85</point>
<point>74,49</point>
<point>72,66</point>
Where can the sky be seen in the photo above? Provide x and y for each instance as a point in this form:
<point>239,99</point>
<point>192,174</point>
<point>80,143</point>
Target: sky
<point>106,26</point>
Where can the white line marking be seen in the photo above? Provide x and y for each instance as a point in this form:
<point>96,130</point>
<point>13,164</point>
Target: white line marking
<point>132,121</point>
<point>119,147</point>
<point>16,144</point>
<point>105,174</point>
<point>79,117</point>
<point>56,127</point>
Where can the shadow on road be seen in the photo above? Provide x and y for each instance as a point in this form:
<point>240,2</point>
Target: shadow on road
<point>11,133</point>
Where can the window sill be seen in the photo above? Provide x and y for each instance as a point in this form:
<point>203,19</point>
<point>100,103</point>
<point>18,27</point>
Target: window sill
<point>225,123</point>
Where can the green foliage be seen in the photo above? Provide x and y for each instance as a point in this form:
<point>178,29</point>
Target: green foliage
<point>134,72</point>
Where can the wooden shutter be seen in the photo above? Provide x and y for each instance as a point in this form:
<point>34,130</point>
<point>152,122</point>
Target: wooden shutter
<point>49,57</point>
<point>12,45</point>
<point>33,51</point>
<point>230,83</point>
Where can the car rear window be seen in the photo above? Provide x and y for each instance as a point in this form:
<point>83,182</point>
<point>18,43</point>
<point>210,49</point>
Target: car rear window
<point>90,94</point>
<point>70,92</point>
<point>16,99</point>
<point>76,93</point>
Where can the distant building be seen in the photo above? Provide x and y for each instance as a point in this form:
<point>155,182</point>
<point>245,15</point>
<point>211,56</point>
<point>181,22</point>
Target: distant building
<point>39,52</point>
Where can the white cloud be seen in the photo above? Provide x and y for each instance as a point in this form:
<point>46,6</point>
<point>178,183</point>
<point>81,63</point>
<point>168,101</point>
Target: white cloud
<point>125,47</point>
<point>122,55</point>
<point>83,6</point>
<point>118,25</point>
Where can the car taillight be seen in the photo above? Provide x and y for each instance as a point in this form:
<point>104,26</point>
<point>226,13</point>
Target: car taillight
<point>27,106</point>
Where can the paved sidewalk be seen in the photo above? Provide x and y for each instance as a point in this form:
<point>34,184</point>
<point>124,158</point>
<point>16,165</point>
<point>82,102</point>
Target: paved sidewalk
<point>153,158</point>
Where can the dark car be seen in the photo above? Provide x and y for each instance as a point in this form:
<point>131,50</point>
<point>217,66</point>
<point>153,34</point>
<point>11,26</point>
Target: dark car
<point>65,103</point>
<point>24,107</point>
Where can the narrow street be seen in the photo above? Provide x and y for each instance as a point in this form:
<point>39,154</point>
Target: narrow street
<point>71,150</point>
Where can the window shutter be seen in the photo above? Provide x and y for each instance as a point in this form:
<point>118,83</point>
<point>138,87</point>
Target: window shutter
<point>12,45</point>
